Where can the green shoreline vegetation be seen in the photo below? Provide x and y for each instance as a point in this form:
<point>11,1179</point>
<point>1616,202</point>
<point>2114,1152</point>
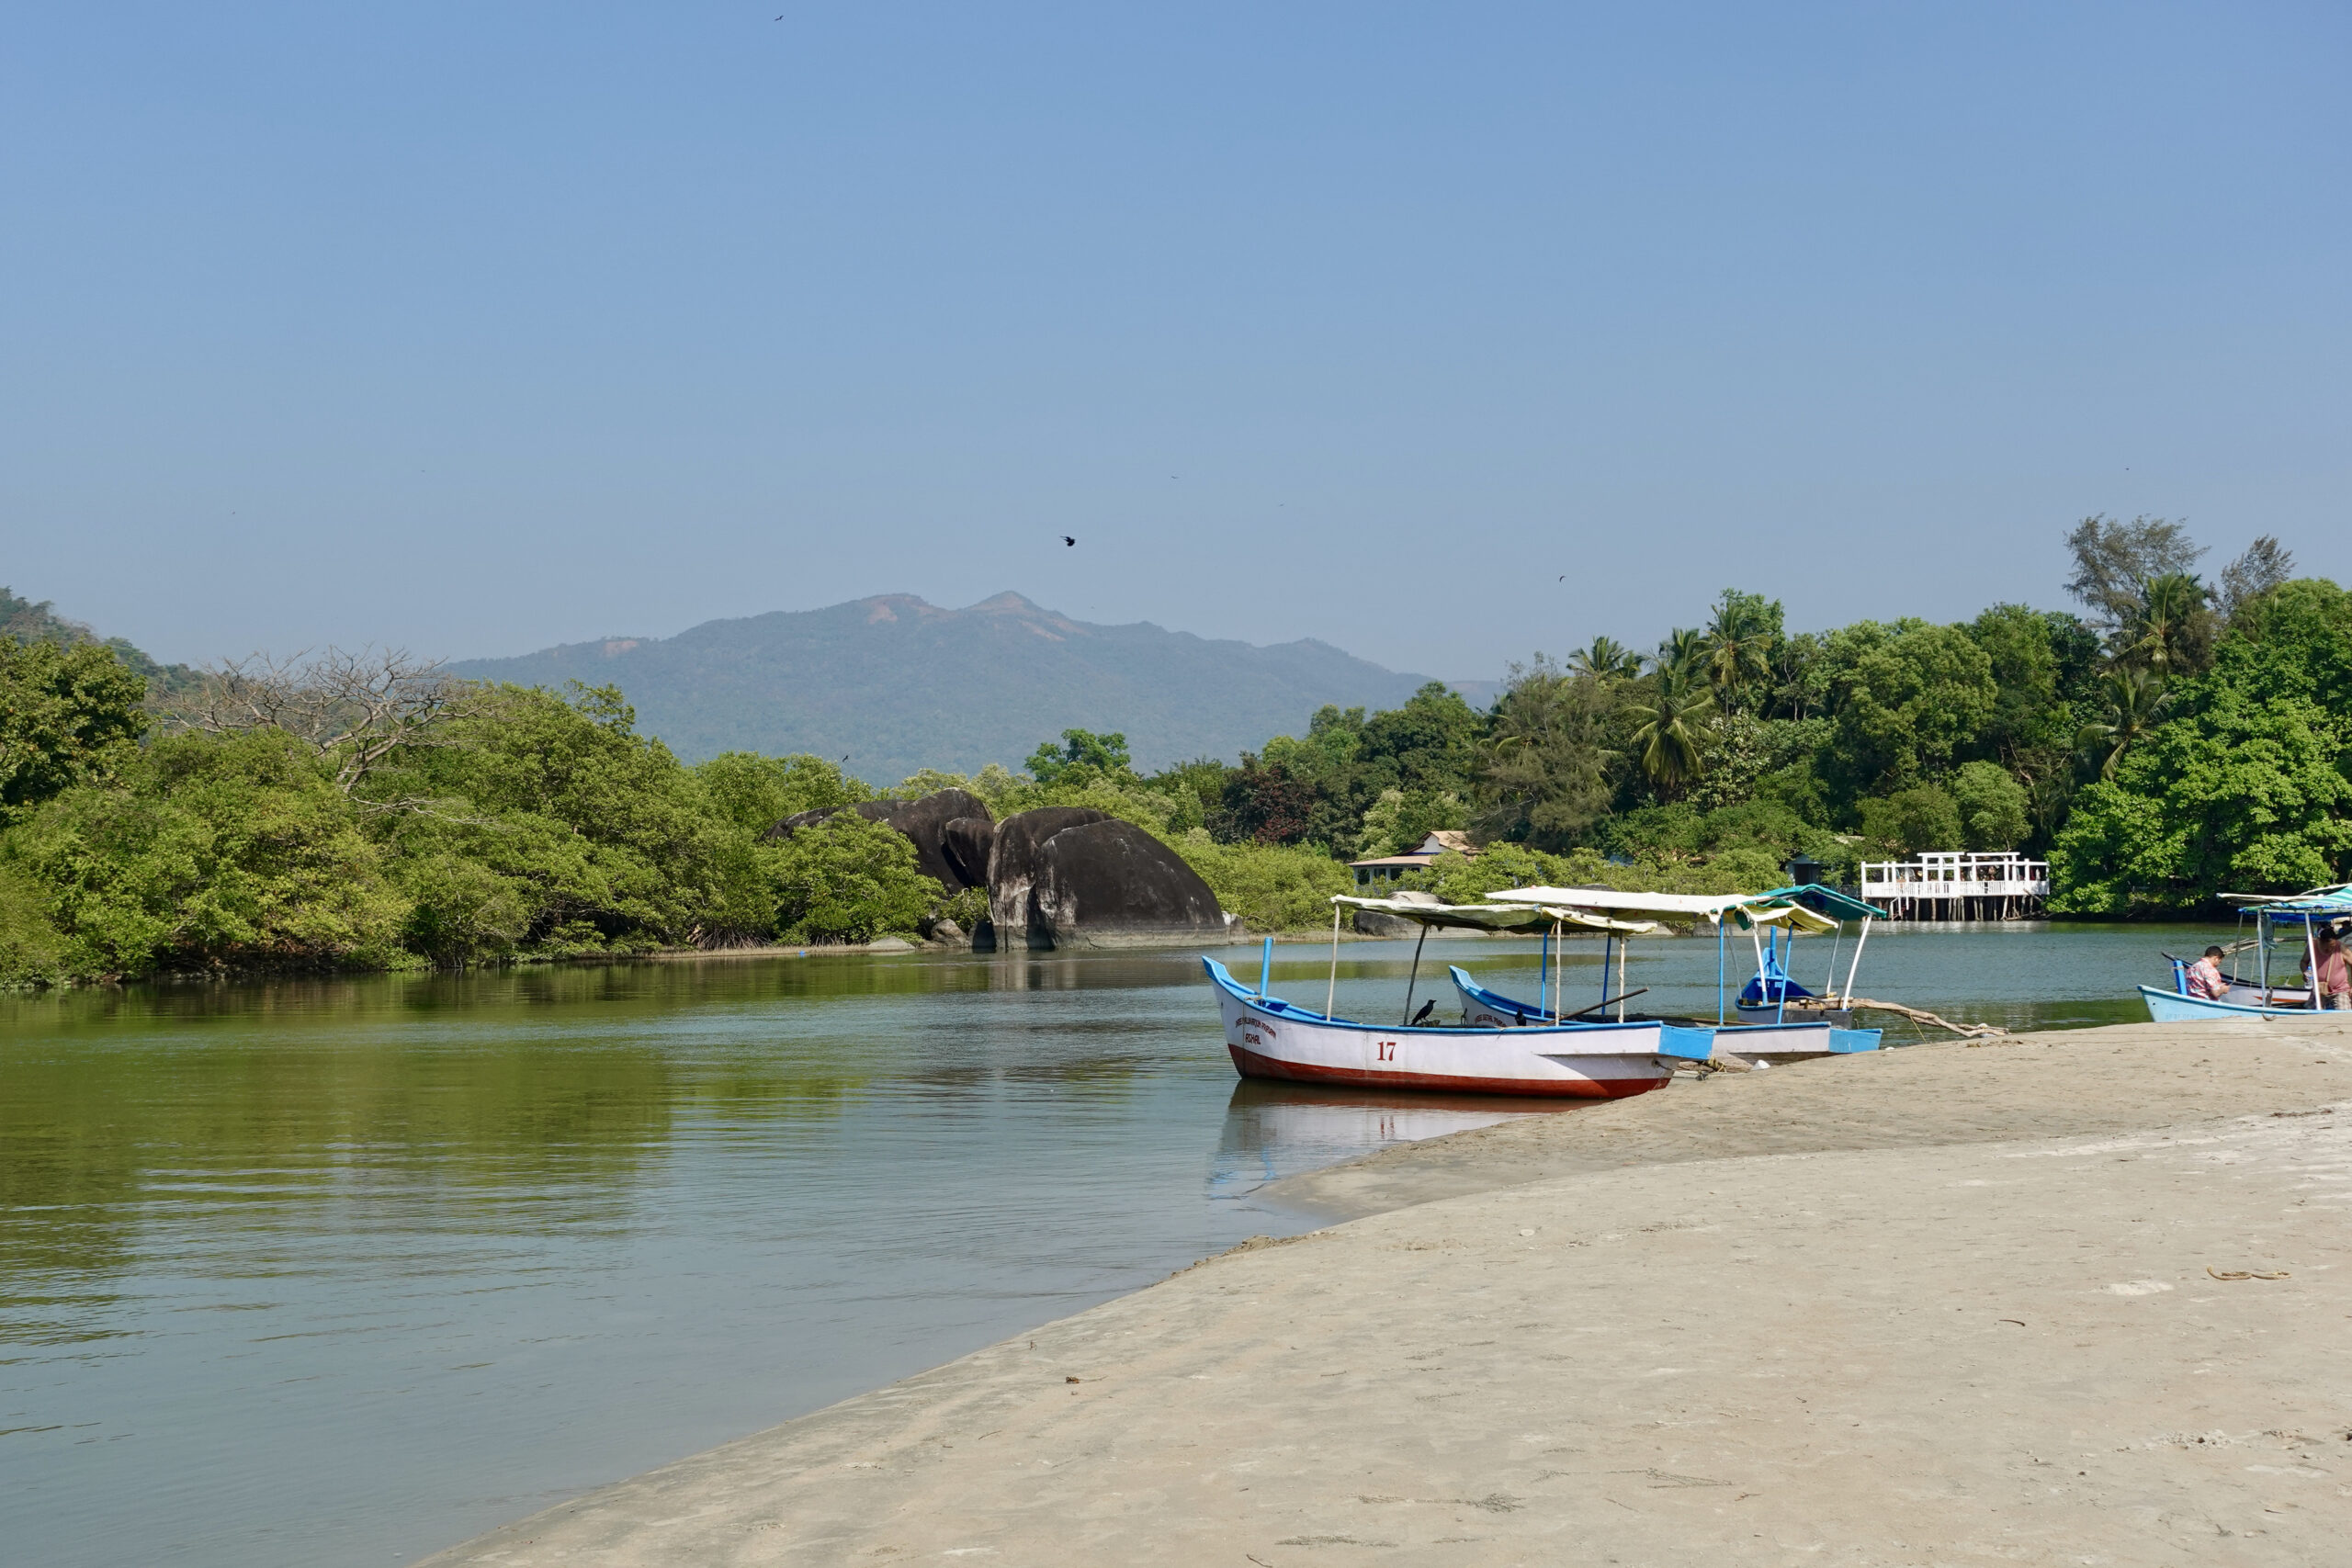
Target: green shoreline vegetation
<point>2174,742</point>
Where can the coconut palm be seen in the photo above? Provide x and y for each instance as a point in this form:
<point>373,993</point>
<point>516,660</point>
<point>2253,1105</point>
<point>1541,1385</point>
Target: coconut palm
<point>1606,658</point>
<point>2171,631</point>
<point>1665,742</point>
<point>1739,651</point>
<point>1681,660</point>
<point>2135,703</point>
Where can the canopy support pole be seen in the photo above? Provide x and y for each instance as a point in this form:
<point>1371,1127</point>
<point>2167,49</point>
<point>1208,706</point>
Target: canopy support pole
<point>2311,961</point>
<point>1608,948</point>
<point>1781,1013</point>
<point>1622,943</point>
<point>1857,960</point>
<point>1723,942</point>
<point>1331,992</point>
<point>1414,979</point>
<point>2262,951</point>
<point>1560,997</point>
<point>1543,974</point>
<point>1266,967</point>
<point>1829,986</point>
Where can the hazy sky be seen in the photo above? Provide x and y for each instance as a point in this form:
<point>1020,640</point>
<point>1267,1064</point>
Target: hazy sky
<point>476,328</point>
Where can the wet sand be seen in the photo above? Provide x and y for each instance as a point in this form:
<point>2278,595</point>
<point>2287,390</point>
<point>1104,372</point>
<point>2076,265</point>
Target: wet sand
<point>1948,1305</point>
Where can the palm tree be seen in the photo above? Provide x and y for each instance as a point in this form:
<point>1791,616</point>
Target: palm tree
<point>2135,701</point>
<point>1681,660</point>
<point>1606,658</point>
<point>1667,743</point>
<point>1740,649</point>
<point>2169,632</point>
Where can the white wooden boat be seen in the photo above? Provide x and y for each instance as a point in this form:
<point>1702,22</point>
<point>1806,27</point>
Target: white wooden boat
<point>1270,1038</point>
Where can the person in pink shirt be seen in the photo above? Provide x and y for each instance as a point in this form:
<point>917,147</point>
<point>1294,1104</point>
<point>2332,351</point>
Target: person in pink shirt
<point>2205,976</point>
<point>2334,975</point>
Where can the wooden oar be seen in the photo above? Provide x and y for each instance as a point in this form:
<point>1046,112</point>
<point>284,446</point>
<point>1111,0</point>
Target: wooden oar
<point>1604,1002</point>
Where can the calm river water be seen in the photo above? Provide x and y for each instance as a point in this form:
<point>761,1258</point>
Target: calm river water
<point>344,1272</point>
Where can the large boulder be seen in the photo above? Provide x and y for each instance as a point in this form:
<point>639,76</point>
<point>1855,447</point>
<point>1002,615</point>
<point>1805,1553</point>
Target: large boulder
<point>1110,884</point>
<point>924,822</point>
<point>967,841</point>
<point>1013,866</point>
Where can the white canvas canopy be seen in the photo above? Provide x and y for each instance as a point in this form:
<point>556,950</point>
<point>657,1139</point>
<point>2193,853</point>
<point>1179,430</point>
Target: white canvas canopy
<point>1747,909</point>
<point>1497,917</point>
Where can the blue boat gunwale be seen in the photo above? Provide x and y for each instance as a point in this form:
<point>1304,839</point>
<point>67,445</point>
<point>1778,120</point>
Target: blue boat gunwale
<point>1842,1041</point>
<point>1506,1004</point>
<point>2208,1004</point>
<point>1276,1008</point>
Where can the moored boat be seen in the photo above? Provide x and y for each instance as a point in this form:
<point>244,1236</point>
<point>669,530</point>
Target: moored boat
<point>1796,1040</point>
<point>1270,1037</point>
<point>2306,914</point>
<point>1779,1020</point>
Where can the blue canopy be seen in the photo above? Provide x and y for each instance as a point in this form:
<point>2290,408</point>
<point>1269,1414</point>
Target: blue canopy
<point>2324,904</point>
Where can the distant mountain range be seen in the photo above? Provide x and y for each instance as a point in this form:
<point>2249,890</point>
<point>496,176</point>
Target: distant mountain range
<point>894,685</point>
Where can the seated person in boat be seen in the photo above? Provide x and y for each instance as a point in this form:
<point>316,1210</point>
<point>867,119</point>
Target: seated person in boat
<point>2334,975</point>
<point>2205,976</point>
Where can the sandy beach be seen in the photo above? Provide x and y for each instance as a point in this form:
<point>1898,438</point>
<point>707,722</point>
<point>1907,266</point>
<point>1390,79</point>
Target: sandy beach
<point>1991,1302</point>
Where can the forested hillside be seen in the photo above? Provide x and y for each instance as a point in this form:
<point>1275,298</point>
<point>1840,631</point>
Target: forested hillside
<point>2173,741</point>
<point>892,683</point>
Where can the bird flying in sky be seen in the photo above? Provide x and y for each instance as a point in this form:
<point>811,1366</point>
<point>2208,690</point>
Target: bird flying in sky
<point>1068,540</point>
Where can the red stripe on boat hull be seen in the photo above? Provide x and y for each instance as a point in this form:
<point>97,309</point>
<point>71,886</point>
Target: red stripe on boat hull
<point>1251,1065</point>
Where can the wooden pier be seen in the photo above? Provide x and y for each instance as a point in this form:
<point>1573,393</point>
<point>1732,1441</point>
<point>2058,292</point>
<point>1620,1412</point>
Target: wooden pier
<point>1951,885</point>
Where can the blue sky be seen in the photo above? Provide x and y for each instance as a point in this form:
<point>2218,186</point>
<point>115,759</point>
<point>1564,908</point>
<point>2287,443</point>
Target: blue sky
<point>475,328</point>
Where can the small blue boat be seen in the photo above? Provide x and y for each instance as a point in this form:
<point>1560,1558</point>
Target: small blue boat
<point>2307,914</point>
<point>1483,1009</point>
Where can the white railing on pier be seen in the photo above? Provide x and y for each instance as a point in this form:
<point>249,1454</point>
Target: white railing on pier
<point>1952,874</point>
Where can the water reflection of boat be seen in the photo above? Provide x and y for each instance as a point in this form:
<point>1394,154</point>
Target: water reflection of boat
<point>1274,1130</point>
<point>2307,915</point>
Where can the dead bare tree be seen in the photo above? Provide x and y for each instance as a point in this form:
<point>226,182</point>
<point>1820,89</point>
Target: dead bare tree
<point>353,709</point>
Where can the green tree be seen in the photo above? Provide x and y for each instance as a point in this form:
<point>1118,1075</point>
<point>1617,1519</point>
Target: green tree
<point>2135,703</point>
<point>1544,773</point>
<point>1907,699</point>
<point>2243,784</point>
<point>2170,632</point>
<point>846,879</point>
<point>1606,658</point>
<point>2242,797</point>
<point>1742,639</point>
<point>67,714</point>
<point>755,793</point>
<point>1667,741</point>
<point>1914,819</point>
<point>210,853</point>
<point>1104,754</point>
<point>1992,806</point>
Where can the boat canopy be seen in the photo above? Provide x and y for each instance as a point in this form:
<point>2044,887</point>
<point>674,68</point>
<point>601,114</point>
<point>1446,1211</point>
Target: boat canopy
<point>1827,901</point>
<point>1745,908</point>
<point>1513,917</point>
<point>2325,904</point>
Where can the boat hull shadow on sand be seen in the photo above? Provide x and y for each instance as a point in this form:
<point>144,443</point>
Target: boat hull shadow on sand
<point>1270,1038</point>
